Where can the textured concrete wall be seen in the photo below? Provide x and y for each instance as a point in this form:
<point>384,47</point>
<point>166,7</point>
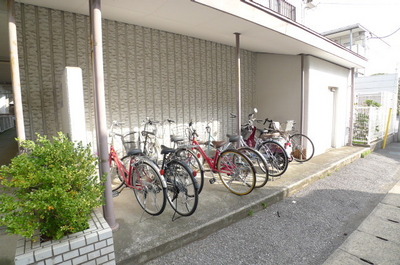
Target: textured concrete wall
<point>148,72</point>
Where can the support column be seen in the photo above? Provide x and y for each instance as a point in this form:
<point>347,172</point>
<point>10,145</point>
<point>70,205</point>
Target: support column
<point>100,108</point>
<point>302,96</point>
<point>15,77</point>
<point>239,96</point>
<point>351,126</point>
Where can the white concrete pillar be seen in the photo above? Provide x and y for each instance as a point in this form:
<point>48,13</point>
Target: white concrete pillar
<point>73,109</point>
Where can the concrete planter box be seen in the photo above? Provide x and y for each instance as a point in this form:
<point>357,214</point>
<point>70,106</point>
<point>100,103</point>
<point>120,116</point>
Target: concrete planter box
<point>91,246</point>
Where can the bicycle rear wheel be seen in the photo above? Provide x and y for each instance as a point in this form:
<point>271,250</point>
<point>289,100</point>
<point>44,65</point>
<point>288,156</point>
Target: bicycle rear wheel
<point>189,157</point>
<point>148,187</point>
<point>236,172</point>
<point>276,157</point>
<point>302,147</point>
<point>259,164</point>
<point>182,191</point>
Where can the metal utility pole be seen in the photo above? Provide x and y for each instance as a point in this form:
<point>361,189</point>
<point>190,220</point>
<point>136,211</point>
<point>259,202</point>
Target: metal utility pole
<point>239,96</point>
<point>100,108</point>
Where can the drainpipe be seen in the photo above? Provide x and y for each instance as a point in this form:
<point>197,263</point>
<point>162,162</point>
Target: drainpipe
<point>352,73</point>
<point>239,96</point>
<point>100,108</point>
<point>15,77</point>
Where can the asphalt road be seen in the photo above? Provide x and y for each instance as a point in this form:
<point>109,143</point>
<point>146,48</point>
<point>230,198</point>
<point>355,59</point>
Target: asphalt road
<point>305,228</point>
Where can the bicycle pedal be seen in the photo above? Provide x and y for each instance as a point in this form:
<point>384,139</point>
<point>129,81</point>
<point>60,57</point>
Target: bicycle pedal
<point>115,193</point>
<point>212,181</point>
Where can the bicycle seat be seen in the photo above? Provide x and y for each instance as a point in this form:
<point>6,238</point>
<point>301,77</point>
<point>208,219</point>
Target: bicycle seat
<point>144,133</point>
<point>166,150</point>
<point>176,139</point>
<point>135,152</point>
<point>233,138</point>
<point>218,144</point>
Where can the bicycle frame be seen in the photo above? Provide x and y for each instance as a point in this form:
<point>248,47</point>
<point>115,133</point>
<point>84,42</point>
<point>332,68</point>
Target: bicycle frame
<point>212,162</point>
<point>121,167</point>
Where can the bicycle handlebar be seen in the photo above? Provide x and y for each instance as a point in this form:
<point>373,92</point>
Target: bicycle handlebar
<point>267,120</point>
<point>150,122</point>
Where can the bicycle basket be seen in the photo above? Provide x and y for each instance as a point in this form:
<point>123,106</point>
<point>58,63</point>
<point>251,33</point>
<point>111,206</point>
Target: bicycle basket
<point>276,125</point>
<point>289,125</point>
<point>130,145</point>
<point>246,133</point>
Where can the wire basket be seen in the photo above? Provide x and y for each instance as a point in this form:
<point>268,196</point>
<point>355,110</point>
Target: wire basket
<point>289,125</point>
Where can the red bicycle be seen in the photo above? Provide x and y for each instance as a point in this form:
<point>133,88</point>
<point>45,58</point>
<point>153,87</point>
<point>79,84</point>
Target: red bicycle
<point>235,170</point>
<point>152,185</point>
<point>138,173</point>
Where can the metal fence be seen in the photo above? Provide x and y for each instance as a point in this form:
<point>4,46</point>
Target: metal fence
<point>280,6</point>
<point>369,124</point>
<point>6,122</point>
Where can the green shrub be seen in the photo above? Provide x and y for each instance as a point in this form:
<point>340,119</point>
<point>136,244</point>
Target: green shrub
<point>372,103</point>
<point>51,188</point>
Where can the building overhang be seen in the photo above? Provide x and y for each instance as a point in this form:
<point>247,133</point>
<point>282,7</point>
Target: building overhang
<point>262,30</point>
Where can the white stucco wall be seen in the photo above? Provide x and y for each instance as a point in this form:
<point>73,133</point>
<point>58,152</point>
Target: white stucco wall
<point>278,87</point>
<point>327,113</point>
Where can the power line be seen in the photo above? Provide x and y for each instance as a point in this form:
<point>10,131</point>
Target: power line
<point>394,32</point>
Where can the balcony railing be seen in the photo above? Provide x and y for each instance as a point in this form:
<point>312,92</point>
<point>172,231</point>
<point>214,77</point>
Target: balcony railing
<point>280,6</point>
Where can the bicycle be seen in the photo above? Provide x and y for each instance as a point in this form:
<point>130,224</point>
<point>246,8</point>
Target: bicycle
<point>182,187</point>
<point>300,147</point>
<point>273,152</point>
<point>149,145</point>
<point>188,157</point>
<point>134,169</point>
<point>256,158</point>
<point>138,173</point>
<point>235,170</point>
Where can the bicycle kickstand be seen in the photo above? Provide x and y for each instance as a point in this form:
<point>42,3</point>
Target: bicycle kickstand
<point>115,193</point>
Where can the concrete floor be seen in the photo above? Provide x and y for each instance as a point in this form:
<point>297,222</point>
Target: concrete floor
<point>8,146</point>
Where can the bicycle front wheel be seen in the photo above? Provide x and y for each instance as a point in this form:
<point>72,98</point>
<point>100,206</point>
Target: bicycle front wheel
<point>182,191</point>
<point>302,147</point>
<point>148,187</point>
<point>276,157</point>
<point>189,157</point>
<point>259,164</point>
<point>117,173</point>
<point>236,172</point>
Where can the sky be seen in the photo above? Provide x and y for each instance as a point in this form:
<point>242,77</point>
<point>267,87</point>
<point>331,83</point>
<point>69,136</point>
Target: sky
<point>381,17</point>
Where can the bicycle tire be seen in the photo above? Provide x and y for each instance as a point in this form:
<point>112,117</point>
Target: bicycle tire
<point>276,157</point>
<point>190,158</point>
<point>117,178</point>
<point>149,187</point>
<point>236,172</point>
<point>259,164</point>
<point>182,191</point>
<point>302,147</point>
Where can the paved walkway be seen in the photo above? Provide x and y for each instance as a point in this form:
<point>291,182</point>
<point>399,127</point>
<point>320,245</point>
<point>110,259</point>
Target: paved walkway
<point>377,239</point>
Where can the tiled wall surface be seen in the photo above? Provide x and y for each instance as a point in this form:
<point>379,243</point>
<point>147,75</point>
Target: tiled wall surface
<point>148,73</point>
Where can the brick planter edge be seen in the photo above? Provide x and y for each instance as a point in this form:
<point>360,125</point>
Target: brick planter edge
<point>94,245</point>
